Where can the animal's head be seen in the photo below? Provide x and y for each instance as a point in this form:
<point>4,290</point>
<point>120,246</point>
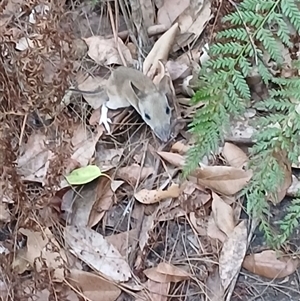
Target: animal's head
<point>155,110</point>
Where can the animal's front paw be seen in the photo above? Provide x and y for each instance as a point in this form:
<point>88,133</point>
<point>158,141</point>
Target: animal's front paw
<point>104,119</point>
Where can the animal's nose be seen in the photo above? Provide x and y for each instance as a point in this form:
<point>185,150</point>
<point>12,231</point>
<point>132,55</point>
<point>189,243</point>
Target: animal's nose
<point>163,133</point>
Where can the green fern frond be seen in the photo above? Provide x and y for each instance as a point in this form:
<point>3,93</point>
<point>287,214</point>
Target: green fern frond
<point>291,11</point>
<point>240,34</point>
<point>258,6</point>
<point>223,88</point>
<point>246,16</point>
<point>270,44</point>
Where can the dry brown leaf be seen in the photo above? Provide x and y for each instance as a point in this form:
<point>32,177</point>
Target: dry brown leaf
<point>157,291</point>
<point>170,11</point>
<point>123,241</point>
<point>178,70</point>
<point>223,179</point>
<point>20,263</point>
<point>169,210</point>
<point>132,173</point>
<point>269,265</point>
<point>214,288</point>
<point>160,51</point>
<point>180,147</point>
<point>105,51</point>
<point>85,149</point>
<point>146,196</point>
<point>234,155</point>
<point>34,162</point>
<point>200,224</point>
<point>192,22</point>
<point>213,231</point>
<point>233,253</point>
<point>223,214</point>
<point>81,204</point>
<point>174,159</point>
<point>92,248</point>
<point>93,287</point>
<point>147,226</point>
<point>104,200</point>
<point>165,273</point>
<point>44,245</point>
<point>107,159</point>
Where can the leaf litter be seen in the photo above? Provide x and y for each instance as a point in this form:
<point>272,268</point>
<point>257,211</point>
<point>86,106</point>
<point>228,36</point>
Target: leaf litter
<point>131,226</point>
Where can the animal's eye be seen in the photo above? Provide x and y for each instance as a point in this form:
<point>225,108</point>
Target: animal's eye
<point>147,116</point>
<point>167,110</point>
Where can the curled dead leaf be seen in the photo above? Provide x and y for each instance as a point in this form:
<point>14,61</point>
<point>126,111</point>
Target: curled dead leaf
<point>154,196</point>
<point>91,285</point>
<point>234,155</point>
<point>223,179</point>
<point>268,264</point>
<point>233,253</point>
<point>174,159</point>
<point>166,272</point>
<point>223,214</point>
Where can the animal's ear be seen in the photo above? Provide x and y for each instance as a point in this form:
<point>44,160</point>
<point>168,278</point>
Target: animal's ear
<point>164,85</point>
<point>139,93</point>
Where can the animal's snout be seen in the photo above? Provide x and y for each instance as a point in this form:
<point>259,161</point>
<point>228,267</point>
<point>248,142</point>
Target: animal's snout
<point>163,132</point>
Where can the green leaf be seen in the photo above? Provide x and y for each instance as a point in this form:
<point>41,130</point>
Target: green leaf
<point>84,175</point>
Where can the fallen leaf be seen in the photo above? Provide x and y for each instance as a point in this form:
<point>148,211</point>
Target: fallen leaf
<point>234,155</point>
<point>85,147</point>
<point>84,175</point>
<point>223,179</point>
<point>43,245</point>
<point>270,264</point>
<point>104,200</point>
<point>223,214</point>
<point>199,223</point>
<point>147,226</point>
<point>165,273</point>
<point>157,291</point>
<point>170,10</point>
<point>105,51</point>
<point>132,173</point>
<point>20,263</point>
<point>35,158</point>
<point>233,253</point>
<point>214,288</point>
<point>92,248</point>
<point>192,22</point>
<point>93,287</point>
<point>180,147</point>
<point>123,241</point>
<point>78,206</point>
<point>174,159</point>
<point>213,231</point>
<point>177,69</point>
<point>108,158</point>
<point>160,51</point>
<point>146,196</point>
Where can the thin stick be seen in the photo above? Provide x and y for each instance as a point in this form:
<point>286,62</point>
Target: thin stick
<point>115,34</point>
